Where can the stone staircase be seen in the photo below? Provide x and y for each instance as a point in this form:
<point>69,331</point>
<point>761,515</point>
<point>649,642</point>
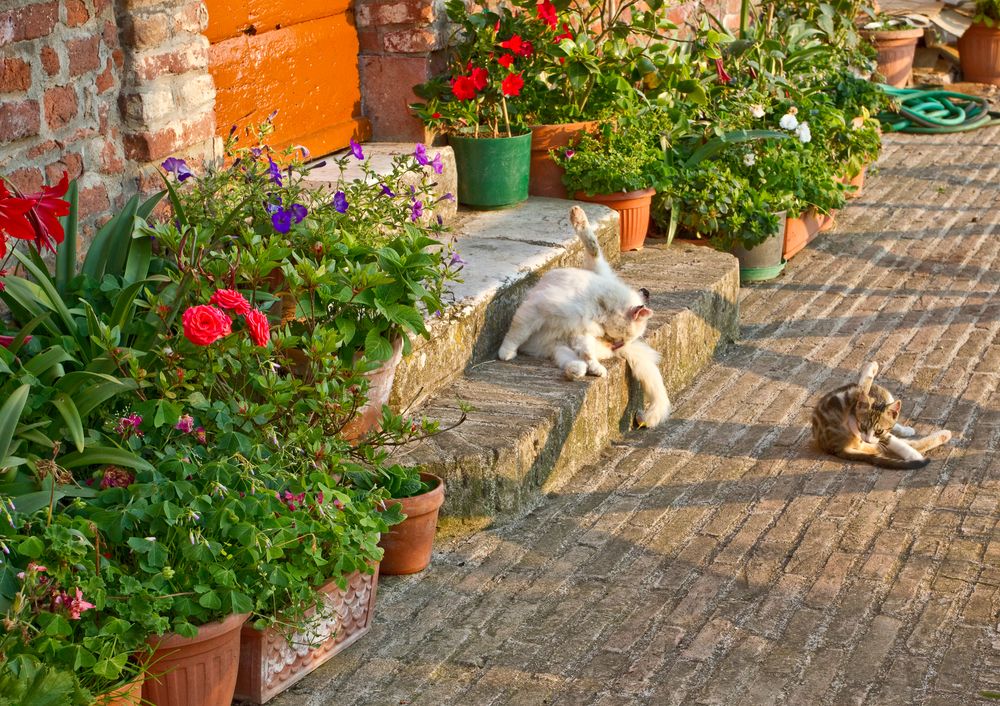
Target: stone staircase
<point>530,429</point>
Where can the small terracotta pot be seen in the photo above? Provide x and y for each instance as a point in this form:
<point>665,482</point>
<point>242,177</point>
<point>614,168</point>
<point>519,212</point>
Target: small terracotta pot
<point>125,695</point>
<point>270,663</point>
<point>857,181</point>
<point>408,545</point>
<point>827,221</point>
<point>633,212</point>
<point>195,671</point>
<point>979,53</point>
<point>896,50</point>
<point>546,176</point>
<point>802,230</point>
<point>380,380</point>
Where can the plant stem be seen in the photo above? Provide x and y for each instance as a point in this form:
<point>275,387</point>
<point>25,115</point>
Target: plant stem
<point>744,18</point>
<point>506,118</point>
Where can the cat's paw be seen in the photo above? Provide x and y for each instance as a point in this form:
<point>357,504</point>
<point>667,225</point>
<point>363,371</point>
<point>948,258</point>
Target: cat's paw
<point>507,352</point>
<point>945,436</point>
<point>596,369</point>
<point>576,370</point>
<point>904,431</point>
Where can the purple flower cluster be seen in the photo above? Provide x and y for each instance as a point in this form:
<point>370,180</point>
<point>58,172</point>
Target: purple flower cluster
<point>129,425</point>
<point>274,171</point>
<point>340,202</point>
<point>282,218</point>
<point>420,154</point>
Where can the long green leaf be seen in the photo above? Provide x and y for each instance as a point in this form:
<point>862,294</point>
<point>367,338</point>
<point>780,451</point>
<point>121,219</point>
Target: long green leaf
<point>25,331</point>
<point>66,252</point>
<point>71,382</point>
<point>179,214</point>
<point>99,251</point>
<point>103,455</point>
<point>46,360</point>
<point>715,145</point>
<point>140,252</point>
<point>70,414</point>
<point>10,413</point>
<point>96,395</point>
<point>27,295</point>
<point>55,301</point>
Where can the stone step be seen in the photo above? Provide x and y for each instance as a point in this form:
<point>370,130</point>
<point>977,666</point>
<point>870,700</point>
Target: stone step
<point>531,429</point>
<point>505,252</point>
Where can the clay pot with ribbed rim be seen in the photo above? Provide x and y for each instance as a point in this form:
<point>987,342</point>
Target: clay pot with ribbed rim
<point>271,662</point>
<point>896,49</point>
<point>408,545</point>
<point>857,181</point>
<point>802,230</point>
<point>546,176</point>
<point>124,695</point>
<point>195,671</point>
<point>979,53</point>
<point>633,212</point>
<point>369,416</point>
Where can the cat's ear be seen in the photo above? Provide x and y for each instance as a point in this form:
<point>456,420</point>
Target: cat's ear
<point>645,295</point>
<point>641,312</point>
<point>894,408</point>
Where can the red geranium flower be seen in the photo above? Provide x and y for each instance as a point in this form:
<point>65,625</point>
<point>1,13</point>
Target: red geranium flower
<point>517,45</point>
<point>512,85</point>
<point>204,325</point>
<point>463,88</point>
<point>258,327</point>
<point>230,299</point>
<point>506,60</point>
<point>44,216</point>
<point>547,13</point>
<point>479,78</point>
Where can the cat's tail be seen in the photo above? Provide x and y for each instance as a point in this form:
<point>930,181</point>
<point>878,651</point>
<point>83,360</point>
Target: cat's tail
<point>884,461</point>
<point>595,258</point>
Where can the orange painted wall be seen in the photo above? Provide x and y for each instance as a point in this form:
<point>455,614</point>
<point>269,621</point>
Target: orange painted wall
<point>297,56</point>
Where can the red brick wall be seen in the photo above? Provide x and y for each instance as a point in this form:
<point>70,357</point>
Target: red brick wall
<point>99,95</point>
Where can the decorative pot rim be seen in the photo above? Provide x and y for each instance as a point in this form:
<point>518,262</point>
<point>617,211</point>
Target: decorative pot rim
<point>891,34</point>
<point>425,502</point>
<point>982,28</point>
<point>205,632</point>
<point>616,196</point>
<point>473,138</point>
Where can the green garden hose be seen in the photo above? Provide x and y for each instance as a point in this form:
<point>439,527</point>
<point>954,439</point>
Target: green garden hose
<point>936,111</point>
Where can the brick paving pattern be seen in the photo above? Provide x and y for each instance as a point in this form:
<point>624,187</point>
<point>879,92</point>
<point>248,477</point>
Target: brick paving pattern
<point>721,559</point>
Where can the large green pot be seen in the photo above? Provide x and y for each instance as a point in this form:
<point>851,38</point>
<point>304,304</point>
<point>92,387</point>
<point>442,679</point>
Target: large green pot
<point>763,262</point>
<point>492,171</point>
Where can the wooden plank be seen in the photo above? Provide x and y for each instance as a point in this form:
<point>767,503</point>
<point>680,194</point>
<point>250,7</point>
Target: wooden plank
<point>233,18</point>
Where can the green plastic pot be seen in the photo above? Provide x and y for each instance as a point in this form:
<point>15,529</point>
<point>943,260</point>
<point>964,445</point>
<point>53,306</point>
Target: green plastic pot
<point>763,262</point>
<point>492,171</point>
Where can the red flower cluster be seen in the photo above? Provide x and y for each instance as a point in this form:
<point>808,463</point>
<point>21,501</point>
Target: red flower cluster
<point>517,46</point>
<point>512,85</point>
<point>34,216</point>
<point>463,87</point>
<point>207,323</point>
<point>547,13</point>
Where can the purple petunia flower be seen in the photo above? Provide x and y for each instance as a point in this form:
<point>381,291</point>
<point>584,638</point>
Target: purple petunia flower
<point>416,210</point>
<point>274,171</point>
<point>437,164</point>
<point>177,167</point>
<point>456,259</point>
<point>256,151</point>
<point>356,149</point>
<point>340,202</point>
<point>305,152</point>
<point>282,220</point>
<point>387,191</point>
<point>298,211</point>
<point>420,152</point>
<point>449,196</point>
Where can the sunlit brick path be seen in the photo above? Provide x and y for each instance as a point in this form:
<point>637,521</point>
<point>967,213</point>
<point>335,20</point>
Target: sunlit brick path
<point>719,559</point>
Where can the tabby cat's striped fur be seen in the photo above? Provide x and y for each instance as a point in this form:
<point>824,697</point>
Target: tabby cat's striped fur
<point>858,422</point>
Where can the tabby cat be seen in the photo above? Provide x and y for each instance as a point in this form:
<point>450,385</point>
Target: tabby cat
<point>859,423</point>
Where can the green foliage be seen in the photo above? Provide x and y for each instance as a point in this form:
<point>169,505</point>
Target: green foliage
<point>988,12</point>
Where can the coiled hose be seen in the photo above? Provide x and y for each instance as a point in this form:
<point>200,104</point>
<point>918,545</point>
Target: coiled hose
<point>936,111</point>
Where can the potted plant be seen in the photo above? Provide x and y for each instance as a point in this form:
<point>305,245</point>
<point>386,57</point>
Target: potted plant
<point>979,46</point>
<point>619,167</point>
<point>895,40</point>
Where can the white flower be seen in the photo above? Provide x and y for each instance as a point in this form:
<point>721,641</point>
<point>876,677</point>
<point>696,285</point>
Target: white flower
<point>788,122</point>
<point>749,159</point>
<point>757,111</point>
<point>803,133</point>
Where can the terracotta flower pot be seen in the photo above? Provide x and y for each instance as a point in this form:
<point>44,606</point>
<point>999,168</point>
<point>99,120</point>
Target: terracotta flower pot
<point>269,663</point>
<point>896,50</point>
<point>408,545</point>
<point>827,221</point>
<point>802,230</point>
<point>546,176</point>
<point>633,211</point>
<point>380,380</point>
<point>125,695</point>
<point>979,53</point>
<point>857,181</point>
<point>195,671</point>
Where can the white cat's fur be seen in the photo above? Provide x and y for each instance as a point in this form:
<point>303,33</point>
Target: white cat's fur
<point>578,317</point>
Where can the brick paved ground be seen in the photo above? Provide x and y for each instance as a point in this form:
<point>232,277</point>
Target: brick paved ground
<point>721,560</point>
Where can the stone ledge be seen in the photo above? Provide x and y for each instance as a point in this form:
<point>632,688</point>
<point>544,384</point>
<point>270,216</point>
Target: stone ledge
<point>531,429</point>
<point>505,252</point>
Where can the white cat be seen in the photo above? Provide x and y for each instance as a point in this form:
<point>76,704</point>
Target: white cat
<point>578,317</point>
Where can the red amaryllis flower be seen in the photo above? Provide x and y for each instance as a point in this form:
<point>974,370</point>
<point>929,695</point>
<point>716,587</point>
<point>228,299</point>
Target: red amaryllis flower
<point>44,215</point>
<point>230,299</point>
<point>479,78</point>
<point>14,218</point>
<point>512,85</point>
<point>506,60</point>
<point>517,45</point>
<point>204,325</point>
<point>547,13</point>
<point>567,34</point>
<point>721,72</point>
<point>463,88</point>
<point>258,327</point>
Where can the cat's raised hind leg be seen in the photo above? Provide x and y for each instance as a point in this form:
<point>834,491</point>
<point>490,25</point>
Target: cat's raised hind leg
<point>868,376</point>
<point>568,360</point>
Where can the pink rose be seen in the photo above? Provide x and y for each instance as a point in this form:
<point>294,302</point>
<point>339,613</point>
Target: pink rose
<point>230,299</point>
